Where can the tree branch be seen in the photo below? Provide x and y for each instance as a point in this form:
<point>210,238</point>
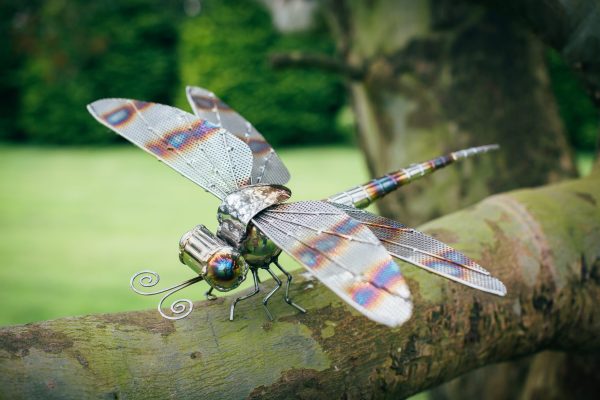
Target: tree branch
<point>313,60</point>
<point>543,243</point>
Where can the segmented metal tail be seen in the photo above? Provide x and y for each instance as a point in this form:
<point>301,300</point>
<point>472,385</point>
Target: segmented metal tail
<point>363,195</point>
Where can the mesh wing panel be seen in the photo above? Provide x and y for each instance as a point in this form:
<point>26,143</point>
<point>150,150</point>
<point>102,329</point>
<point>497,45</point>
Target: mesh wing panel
<point>202,152</point>
<point>343,254</point>
<point>267,167</point>
<point>426,252</point>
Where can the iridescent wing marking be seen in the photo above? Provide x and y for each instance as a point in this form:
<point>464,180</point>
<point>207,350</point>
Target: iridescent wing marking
<point>426,252</point>
<point>202,152</point>
<point>267,167</point>
<point>343,254</point>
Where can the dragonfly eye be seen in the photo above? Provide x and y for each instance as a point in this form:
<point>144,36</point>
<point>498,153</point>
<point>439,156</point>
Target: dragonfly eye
<point>225,269</point>
<point>219,264</point>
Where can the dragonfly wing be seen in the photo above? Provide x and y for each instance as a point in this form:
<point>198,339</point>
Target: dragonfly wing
<point>343,254</point>
<point>199,150</point>
<point>426,252</point>
<point>267,166</point>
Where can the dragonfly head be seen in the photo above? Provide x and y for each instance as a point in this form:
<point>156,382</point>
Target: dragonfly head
<point>219,264</point>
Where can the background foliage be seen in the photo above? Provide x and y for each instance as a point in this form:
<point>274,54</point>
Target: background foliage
<point>577,111</point>
<point>226,48</point>
<point>60,55</point>
<point>74,52</point>
<point>63,55</point>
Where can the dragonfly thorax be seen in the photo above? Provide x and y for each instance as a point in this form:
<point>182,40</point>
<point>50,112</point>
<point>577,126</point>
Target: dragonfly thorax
<point>257,249</point>
<point>238,208</point>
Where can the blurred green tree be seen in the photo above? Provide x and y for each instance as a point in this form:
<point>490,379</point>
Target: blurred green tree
<point>14,24</point>
<point>59,56</point>
<point>577,111</point>
<point>225,49</point>
<point>80,51</point>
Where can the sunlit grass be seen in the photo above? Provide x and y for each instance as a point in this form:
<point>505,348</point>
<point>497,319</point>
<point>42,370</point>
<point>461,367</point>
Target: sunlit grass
<point>76,224</point>
<point>584,162</point>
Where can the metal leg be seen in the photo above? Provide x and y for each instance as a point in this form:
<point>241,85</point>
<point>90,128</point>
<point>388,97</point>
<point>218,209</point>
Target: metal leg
<point>271,293</point>
<point>209,295</point>
<point>256,290</point>
<point>287,288</point>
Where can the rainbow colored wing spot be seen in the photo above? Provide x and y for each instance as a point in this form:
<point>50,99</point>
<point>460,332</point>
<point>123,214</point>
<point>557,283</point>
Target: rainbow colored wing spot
<point>182,139</point>
<point>310,257</point>
<point>267,167</point>
<point>426,252</point>
<point>386,276</point>
<point>122,115</point>
<point>343,254</point>
<point>365,294</point>
<point>119,116</point>
<point>206,154</point>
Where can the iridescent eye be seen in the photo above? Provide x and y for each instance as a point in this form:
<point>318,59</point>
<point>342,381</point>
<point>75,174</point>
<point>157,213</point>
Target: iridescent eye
<point>225,270</point>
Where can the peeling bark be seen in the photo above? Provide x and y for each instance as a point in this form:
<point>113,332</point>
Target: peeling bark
<point>544,244</point>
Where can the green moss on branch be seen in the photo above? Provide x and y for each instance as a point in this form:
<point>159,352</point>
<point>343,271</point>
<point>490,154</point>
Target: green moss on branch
<point>543,243</point>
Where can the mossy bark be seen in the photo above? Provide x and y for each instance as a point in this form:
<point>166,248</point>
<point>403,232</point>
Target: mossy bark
<point>544,244</point>
<point>443,75</point>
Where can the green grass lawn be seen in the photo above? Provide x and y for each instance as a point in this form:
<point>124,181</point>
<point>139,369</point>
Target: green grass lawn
<point>584,161</point>
<point>75,224</point>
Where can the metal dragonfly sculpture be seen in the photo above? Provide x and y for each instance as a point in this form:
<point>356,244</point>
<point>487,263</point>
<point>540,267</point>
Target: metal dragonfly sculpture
<point>348,249</point>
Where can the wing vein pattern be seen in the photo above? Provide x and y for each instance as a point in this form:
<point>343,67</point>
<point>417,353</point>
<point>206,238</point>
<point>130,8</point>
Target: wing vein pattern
<point>321,231</point>
<point>157,135</point>
<point>267,166</point>
<point>199,150</point>
<point>426,252</point>
<point>343,254</point>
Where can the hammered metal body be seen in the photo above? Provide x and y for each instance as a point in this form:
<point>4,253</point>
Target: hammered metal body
<point>239,207</point>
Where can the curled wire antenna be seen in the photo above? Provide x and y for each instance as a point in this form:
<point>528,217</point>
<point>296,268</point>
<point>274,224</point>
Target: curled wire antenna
<point>179,308</point>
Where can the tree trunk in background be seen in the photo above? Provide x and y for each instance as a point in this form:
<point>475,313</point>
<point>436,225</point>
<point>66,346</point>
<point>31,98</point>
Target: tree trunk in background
<point>440,76</point>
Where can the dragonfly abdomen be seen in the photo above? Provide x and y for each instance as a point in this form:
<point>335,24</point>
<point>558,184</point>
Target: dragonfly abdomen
<point>363,195</point>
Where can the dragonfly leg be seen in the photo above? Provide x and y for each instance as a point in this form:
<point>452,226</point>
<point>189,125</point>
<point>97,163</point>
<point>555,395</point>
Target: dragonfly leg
<point>287,288</point>
<point>271,293</point>
<point>256,290</point>
<point>209,295</point>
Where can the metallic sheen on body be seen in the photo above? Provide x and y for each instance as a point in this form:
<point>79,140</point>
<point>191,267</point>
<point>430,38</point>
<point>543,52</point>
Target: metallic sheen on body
<point>239,207</point>
<point>258,249</point>
<point>347,249</point>
<point>220,265</point>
